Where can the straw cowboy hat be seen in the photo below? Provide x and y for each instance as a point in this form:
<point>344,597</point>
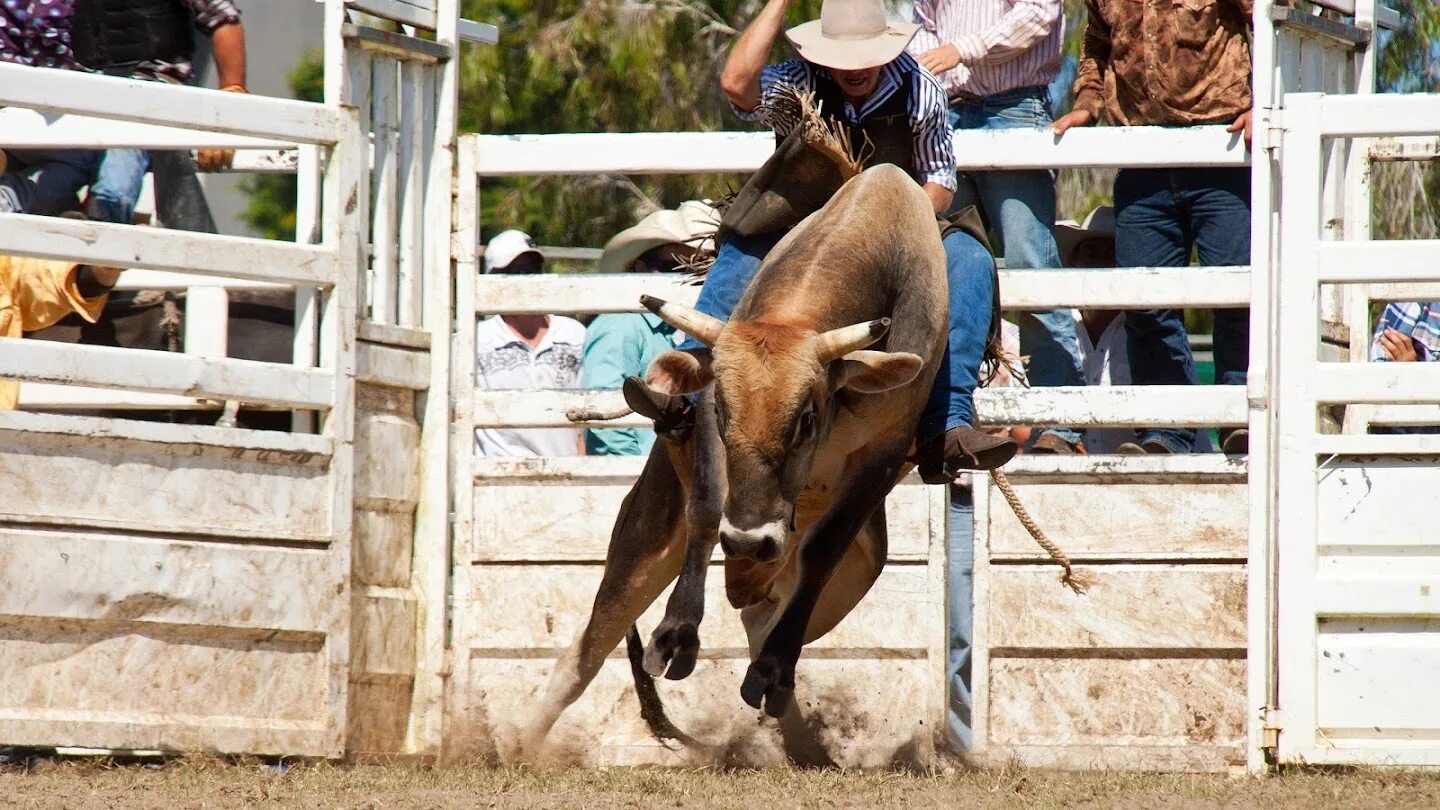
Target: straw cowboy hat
<point>851,35</point>
<point>1098,224</point>
<point>691,223</point>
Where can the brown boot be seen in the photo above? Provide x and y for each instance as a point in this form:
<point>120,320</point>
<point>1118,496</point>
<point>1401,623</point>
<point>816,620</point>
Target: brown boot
<point>963,448</point>
<point>674,416</point>
<point>1050,444</point>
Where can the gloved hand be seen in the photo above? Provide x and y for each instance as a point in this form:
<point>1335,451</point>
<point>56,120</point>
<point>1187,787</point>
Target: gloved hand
<point>214,160</point>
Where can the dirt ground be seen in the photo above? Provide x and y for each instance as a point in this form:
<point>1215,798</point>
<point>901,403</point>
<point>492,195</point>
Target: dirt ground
<point>208,783</point>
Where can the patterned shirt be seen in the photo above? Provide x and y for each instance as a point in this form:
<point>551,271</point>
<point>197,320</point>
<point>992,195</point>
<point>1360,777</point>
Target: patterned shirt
<point>37,33</point>
<point>1166,62</point>
<point>1418,319</point>
<point>1003,44</point>
<point>929,122</point>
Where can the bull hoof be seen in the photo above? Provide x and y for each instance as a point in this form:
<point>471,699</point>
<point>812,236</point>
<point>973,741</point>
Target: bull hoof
<point>768,682</point>
<point>673,649</point>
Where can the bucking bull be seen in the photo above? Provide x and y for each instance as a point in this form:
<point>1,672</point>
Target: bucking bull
<point>809,399</point>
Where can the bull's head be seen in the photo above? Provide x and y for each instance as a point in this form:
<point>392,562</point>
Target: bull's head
<point>775,397</point>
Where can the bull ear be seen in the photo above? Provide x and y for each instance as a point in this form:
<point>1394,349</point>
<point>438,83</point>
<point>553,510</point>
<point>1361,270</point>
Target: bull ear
<point>676,373</point>
<point>875,372</point>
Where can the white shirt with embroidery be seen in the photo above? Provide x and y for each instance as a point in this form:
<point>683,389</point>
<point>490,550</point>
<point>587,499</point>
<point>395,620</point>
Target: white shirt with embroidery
<point>504,360</point>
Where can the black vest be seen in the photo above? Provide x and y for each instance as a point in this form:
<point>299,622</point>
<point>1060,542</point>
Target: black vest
<point>884,136</point>
<point>116,35</point>
<point>797,181</point>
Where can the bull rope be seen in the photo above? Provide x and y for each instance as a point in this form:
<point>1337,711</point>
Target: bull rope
<point>1068,577</point>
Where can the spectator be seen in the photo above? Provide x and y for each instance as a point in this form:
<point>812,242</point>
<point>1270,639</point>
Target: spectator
<point>1142,64</point>
<point>995,59</point>
<point>40,181</point>
<point>154,40</point>
<point>1407,332</point>
<point>1101,332</point>
<point>35,293</point>
<point>621,345</point>
<point>525,352</point>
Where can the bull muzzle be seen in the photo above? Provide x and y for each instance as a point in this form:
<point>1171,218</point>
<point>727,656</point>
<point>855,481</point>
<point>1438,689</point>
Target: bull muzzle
<point>762,543</point>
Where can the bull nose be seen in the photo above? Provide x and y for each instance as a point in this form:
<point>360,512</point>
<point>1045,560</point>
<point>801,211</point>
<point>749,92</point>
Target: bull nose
<point>761,543</point>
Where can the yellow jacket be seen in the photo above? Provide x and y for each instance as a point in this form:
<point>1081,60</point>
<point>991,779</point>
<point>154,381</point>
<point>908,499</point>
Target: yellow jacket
<point>34,294</point>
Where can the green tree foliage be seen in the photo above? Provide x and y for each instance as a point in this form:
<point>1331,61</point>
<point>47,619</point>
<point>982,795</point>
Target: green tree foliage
<point>271,212</point>
<point>600,66</point>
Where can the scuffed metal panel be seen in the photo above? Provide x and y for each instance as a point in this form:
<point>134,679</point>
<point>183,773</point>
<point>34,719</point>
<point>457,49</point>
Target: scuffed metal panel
<point>542,608</point>
<point>1116,702</point>
<point>551,517</point>
<point>1122,519</point>
<point>209,490</point>
<point>1146,670</point>
<point>159,643</point>
<point>1198,607</point>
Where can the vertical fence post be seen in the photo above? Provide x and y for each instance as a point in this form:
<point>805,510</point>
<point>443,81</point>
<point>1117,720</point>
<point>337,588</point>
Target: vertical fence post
<point>411,164</point>
<point>387,145</point>
<point>462,399</point>
<point>433,516</point>
<point>1264,197</point>
<point>1293,411</point>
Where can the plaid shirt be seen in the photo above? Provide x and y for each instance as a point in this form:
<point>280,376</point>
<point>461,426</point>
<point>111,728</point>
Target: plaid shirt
<point>1420,320</point>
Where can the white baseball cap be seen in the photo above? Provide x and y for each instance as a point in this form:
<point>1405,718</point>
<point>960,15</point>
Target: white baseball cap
<point>506,247</point>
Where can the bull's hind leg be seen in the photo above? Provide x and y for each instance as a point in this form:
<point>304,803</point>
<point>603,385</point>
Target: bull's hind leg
<point>675,644</point>
<point>644,556</point>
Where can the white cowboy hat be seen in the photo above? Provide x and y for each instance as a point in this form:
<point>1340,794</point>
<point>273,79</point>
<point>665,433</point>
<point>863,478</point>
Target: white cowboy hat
<point>507,246</point>
<point>851,35</point>
<point>1098,224</point>
<point>691,223</point>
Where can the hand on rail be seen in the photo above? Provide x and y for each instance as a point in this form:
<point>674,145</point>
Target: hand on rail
<point>938,60</point>
<point>1398,346</point>
<point>216,160</point>
<point>1242,123</point>
<point>1074,118</point>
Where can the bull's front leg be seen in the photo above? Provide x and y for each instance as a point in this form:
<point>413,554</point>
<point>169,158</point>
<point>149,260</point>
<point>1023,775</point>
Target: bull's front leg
<point>770,679</point>
<point>675,644</point>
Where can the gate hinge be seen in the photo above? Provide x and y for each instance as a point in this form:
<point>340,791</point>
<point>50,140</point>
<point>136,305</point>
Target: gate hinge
<point>1273,721</point>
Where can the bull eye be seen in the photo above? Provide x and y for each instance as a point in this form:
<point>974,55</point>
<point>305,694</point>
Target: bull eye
<point>805,426</point>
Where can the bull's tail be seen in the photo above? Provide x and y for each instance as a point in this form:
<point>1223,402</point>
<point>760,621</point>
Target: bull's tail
<point>652,708</point>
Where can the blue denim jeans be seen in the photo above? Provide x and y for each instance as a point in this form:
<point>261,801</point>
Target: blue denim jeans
<point>45,181</point>
<point>1021,209</point>
<point>968,269</point>
<point>960,593</point>
<point>117,184</point>
<point>1160,215</point>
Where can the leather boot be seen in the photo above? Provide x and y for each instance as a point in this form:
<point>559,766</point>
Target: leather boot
<point>963,448</point>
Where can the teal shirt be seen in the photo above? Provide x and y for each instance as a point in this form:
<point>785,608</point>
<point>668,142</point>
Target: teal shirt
<point>619,346</point>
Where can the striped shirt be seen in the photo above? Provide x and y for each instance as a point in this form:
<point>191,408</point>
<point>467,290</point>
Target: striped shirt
<point>1003,44</point>
<point>1418,319</point>
<point>929,121</point>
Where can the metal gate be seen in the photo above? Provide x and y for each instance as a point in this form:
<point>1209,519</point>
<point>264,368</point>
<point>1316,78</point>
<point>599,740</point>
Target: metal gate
<point>1357,597</point>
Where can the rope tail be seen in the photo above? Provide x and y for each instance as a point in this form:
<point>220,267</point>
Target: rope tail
<point>1068,576</point>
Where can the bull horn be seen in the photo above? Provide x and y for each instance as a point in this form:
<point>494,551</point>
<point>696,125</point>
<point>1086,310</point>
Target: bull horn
<point>837,343</point>
<point>689,320</point>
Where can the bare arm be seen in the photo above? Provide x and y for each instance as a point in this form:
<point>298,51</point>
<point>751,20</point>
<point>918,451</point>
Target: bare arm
<point>228,43</point>
<point>940,196</point>
<point>740,80</point>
